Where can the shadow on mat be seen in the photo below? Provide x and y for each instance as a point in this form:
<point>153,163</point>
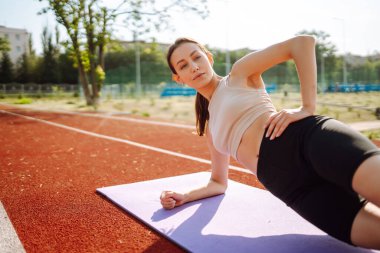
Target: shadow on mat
<point>190,235</point>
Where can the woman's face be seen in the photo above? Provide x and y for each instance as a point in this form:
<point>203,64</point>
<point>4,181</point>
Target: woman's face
<point>193,66</point>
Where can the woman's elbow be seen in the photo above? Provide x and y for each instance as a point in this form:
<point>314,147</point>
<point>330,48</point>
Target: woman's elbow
<point>220,187</point>
<point>300,44</point>
<point>223,188</point>
<point>306,39</point>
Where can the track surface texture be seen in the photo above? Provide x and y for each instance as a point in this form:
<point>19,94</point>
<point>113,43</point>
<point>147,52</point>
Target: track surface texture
<point>49,175</point>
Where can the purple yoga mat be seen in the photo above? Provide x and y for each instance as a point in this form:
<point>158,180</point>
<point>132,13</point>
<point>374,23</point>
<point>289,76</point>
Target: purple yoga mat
<point>244,219</point>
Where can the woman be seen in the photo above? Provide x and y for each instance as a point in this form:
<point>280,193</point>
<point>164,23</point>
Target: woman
<point>322,169</point>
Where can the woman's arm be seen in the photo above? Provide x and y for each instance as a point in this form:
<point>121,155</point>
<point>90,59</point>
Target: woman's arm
<point>300,48</point>
<point>217,184</point>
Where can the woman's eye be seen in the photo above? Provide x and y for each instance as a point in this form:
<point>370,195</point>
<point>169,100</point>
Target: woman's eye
<point>197,57</point>
<point>183,66</point>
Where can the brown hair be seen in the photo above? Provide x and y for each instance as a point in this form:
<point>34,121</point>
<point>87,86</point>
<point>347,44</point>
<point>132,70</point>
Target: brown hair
<point>201,103</point>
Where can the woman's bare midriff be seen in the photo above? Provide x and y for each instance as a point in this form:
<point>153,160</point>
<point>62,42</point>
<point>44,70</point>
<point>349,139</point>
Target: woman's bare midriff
<point>249,146</point>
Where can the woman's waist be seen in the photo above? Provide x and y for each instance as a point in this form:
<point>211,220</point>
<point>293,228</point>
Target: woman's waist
<point>249,147</point>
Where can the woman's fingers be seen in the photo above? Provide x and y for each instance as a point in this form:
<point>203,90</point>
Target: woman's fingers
<point>168,203</point>
<point>270,125</point>
<point>278,123</point>
<point>281,125</point>
<point>278,127</point>
<point>168,200</point>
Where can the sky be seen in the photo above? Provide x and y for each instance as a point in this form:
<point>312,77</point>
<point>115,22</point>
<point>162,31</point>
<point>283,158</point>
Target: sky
<point>233,24</point>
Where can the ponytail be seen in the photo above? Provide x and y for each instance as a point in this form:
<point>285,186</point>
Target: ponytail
<point>201,113</point>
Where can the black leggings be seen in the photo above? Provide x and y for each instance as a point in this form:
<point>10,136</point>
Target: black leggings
<point>310,167</point>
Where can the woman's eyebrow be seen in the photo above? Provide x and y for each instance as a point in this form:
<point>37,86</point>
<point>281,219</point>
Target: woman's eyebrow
<point>190,56</point>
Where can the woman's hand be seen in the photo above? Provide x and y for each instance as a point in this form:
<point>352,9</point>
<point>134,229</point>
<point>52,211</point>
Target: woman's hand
<point>278,122</point>
<point>170,199</point>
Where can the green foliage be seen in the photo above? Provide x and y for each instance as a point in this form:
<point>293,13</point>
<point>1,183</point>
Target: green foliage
<point>100,74</point>
<point>121,65</point>
<point>88,25</point>
<point>23,101</point>
<point>49,67</point>
<point>23,69</point>
<point>4,45</point>
<point>6,69</point>
<point>372,134</point>
<point>67,72</point>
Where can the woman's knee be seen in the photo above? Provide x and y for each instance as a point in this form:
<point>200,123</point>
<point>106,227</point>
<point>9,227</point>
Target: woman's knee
<point>366,179</point>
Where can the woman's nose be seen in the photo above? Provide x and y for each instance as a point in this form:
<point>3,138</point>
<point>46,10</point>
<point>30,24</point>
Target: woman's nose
<point>194,67</point>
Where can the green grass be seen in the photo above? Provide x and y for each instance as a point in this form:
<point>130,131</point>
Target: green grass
<point>23,101</point>
<point>372,134</point>
<point>183,108</point>
<point>345,114</point>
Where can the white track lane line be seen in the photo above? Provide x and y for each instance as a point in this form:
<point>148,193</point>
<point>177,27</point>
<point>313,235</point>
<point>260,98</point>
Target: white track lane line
<point>9,241</point>
<point>358,126</point>
<point>107,116</point>
<point>150,122</point>
<point>193,158</point>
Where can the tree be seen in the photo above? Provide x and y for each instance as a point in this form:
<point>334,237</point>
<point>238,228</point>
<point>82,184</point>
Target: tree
<point>32,61</point>
<point>6,69</point>
<point>377,70</point>
<point>22,73</point>
<point>88,25</point>
<point>6,66</point>
<point>50,51</point>
<point>67,72</point>
<point>77,16</point>
<point>121,65</point>
<point>4,45</point>
<point>26,65</point>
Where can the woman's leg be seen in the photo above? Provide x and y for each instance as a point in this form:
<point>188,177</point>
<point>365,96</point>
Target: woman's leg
<point>365,231</point>
<point>366,180</point>
<point>330,208</point>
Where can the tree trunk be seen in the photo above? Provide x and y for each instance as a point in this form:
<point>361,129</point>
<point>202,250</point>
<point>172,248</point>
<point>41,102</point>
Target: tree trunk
<point>84,83</point>
<point>89,26</point>
<point>83,77</point>
<point>101,55</point>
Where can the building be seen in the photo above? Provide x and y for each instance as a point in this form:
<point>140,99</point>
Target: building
<point>18,41</point>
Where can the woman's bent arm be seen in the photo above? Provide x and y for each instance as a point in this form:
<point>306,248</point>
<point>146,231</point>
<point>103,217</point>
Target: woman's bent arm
<point>217,184</point>
<point>303,54</point>
<point>219,174</point>
<point>301,49</point>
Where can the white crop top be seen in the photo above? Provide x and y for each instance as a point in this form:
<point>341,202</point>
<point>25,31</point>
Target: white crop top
<point>232,110</point>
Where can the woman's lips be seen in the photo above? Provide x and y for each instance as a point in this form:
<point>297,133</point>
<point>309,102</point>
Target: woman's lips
<point>197,76</point>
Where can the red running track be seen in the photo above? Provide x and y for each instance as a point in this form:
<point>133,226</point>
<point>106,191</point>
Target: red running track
<point>49,175</point>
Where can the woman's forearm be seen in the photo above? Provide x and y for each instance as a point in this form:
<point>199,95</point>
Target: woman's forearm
<point>211,189</point>
<point>303,54</point>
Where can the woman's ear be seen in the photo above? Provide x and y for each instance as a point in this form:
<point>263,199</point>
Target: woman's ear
<point>176,78</point>
<point>210,58</point>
